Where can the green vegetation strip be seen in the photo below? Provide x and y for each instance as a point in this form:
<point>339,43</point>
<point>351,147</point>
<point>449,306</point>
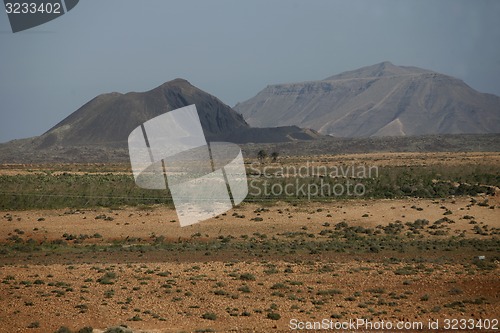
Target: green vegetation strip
<point>50,191</point>
<point>259,246</point>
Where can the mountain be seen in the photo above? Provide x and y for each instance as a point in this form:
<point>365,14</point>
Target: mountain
<point>99,130</point>
<point>378,100</point>
<point>108,119</point>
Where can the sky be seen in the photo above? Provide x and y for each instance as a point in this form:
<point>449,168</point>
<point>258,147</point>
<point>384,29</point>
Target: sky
<point>231,49</point>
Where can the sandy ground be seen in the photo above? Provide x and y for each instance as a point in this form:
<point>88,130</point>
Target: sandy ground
<point>276,218</point>
<point>157,291</point>
<point>137,267</point>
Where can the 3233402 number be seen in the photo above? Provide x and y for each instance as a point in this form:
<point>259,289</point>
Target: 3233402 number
<point>33,8</point>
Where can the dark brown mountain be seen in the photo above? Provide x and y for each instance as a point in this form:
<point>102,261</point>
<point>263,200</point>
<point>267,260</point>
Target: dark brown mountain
<point>108,119</point>
<point>98,131</point>
<point>378,100</point>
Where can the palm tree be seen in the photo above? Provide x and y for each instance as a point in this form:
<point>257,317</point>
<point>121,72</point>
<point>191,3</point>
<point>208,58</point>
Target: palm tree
<point>261,155</point>
<point>274,156</point>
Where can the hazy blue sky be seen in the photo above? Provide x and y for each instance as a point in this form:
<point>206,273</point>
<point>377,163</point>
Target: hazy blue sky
<point>231,49</point>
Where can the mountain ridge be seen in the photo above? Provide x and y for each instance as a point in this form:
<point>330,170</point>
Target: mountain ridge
<point>96,121</point>
<point>109,118</point>
<point>382,69</point>
<point>377,100</point>
<point>105,122</point>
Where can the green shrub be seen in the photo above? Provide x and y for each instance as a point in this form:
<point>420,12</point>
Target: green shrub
<point>86,329</point>
<point>63,329</point>
<point>484,264</point>
<point>329,292</point>
<point>118,329</point>
<point>34,324</point>
<point>244,289</point>
<point>247,277</point>
<point>209,316</point>
<point>273,316</point>
<point>278,285</point>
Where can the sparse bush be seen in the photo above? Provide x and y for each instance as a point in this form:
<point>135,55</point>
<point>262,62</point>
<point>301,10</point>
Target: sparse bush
<point>455,291</point>
<point>107,278</point>
<point>273,316</point>
<point>244,289</point>
<point>247,277</point>
<point>278,285</point>
<point>484,264</point>
<point>136,318</point>
<point>118,329</point>
<point>407,270</point>
<point>436,309</point>
<point>376,290</point>
<point>220,292</point>
<point>34,324</point>
<point>209,316</point>
<point>86,329</point>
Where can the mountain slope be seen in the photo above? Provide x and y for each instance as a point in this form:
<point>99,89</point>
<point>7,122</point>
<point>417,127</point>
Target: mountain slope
<point>99,130</point>
<point>378,100</point>
<point>109,118</point>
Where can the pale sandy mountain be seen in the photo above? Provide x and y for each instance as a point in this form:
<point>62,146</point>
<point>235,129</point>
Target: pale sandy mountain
<point>378,100</point>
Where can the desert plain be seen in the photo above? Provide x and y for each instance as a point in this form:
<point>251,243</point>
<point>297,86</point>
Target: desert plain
<point>421,246</point>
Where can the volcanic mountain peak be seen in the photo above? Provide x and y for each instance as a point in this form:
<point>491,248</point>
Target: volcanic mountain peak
<point>178,85</point>
<point>102,126</point>
<point>108,119</point>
